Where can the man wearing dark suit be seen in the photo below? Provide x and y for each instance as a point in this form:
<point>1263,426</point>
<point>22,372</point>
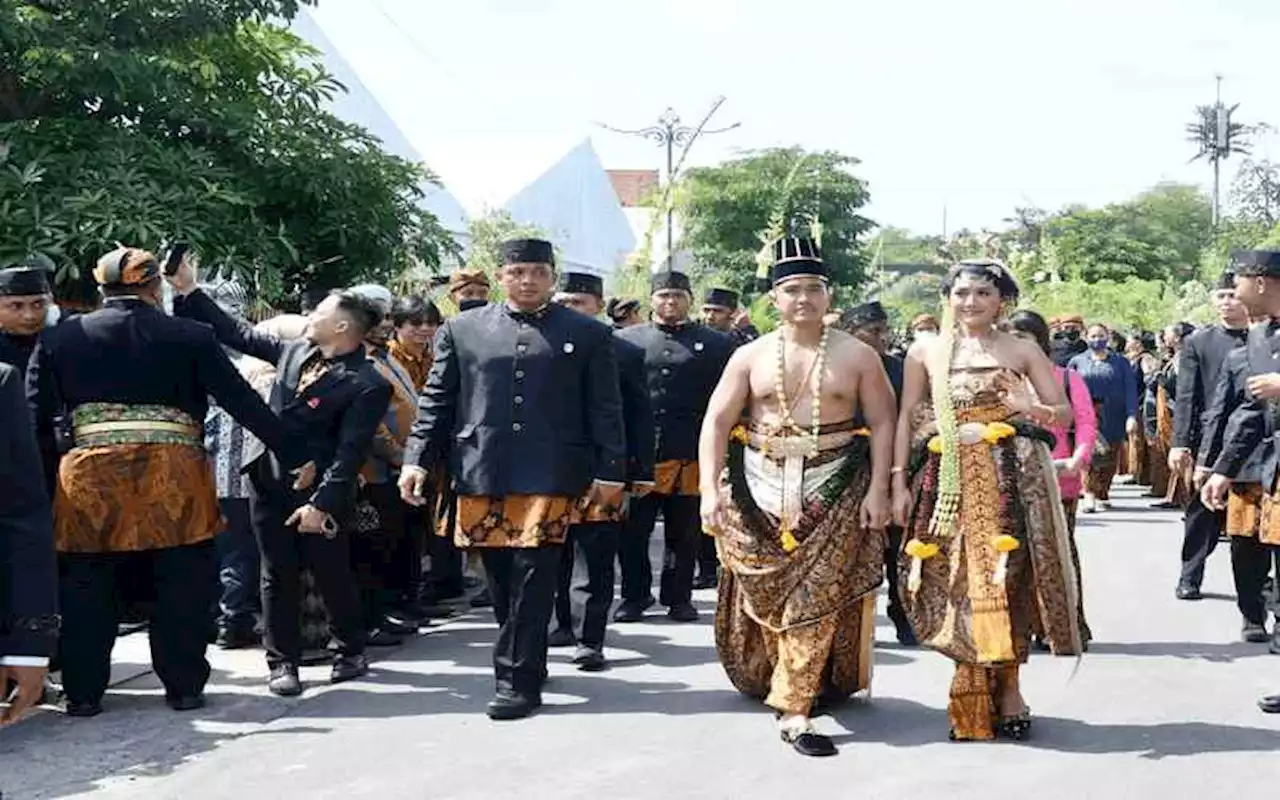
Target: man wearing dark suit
<point>683,362</point>
<point>585,588</point>
<point>135,491</point>
<point>523,401</point>
<point>328,393</point>
<point>1255,421</point>
<point>870,323</point>
<point>1199,365</point>
<point>28,569</point>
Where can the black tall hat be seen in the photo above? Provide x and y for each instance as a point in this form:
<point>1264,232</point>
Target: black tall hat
<point>670,280</point>
<point>23,281</point>
<point>793,257</point>
<point>725,298</point>
<point>582,283</point>
<point>865,314</point>
<point>528,251</point>
<point>1256,263</point>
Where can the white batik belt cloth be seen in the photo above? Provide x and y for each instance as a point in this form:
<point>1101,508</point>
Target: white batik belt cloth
<point>784,472</point>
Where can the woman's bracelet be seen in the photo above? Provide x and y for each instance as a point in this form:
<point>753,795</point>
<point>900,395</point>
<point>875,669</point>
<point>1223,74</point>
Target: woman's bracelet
<point>897,470</point>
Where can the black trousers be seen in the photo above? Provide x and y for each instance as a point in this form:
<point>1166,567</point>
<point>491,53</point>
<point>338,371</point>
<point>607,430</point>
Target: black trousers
<point>522,581</point>
<point>238,569</point>
<point>682,533</point>
<point>708,560</point>
<point>584,589</point>
<point>285,552</point>
<point>1251,562</point>
<point>377,556</point>
<point>1200,537</point>
<point>897,614</point>
<point>183,582</point>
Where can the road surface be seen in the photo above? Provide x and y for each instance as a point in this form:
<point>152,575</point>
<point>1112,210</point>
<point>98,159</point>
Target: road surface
<point>1162,706</point>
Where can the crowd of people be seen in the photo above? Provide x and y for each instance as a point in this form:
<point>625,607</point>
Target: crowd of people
<point>317,485</point>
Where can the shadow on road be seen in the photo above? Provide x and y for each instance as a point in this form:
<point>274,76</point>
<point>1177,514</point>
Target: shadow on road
<point>905,723</point>
<point>1205,651</point>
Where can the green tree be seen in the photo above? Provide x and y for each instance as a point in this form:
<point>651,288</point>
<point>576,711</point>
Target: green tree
<point>724,209</point>
<point>140,120</point>
<point>1159,235</point>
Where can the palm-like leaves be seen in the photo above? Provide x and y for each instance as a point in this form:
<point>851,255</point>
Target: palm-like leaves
<point>1215,135</point>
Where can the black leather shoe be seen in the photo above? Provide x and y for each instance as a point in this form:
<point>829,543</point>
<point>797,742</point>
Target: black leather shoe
<point>1270,705</point>
<point>398,627</point>
<point>184,702</point>
<point>512,705</point>
<point>561,638</point>
<point>629,612</point>
<point>705,582</point>
<point>590,659</point>
<point>284,681</point>
<point>810,743</point>
<point>1186,592</point>
<point>1275,639</point>
<point>236,639</point>
<point>906,636</point>
<point>482,600</point>
<point>88,708</point>
<point>348,668</point>
<point>684,612</point>
<point>1255,633</point>
<point>379,637</point>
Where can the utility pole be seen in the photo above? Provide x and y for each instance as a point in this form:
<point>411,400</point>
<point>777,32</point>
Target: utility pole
<point>668,133</point>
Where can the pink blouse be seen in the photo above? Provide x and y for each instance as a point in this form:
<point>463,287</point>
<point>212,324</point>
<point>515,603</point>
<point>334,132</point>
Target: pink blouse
<point>1086,432</point>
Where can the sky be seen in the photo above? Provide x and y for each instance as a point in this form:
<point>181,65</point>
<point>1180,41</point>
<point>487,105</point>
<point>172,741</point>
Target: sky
<point>958,111</point>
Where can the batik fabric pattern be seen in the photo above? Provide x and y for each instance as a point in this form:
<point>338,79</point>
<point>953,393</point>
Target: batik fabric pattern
<point>959,608</point>
<point>521,520</point>
<point>796,613</point>
<point>137,479</point>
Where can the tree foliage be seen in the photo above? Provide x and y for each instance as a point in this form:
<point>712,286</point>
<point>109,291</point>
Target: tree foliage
<point>723,210</point>
<point>141,120</point>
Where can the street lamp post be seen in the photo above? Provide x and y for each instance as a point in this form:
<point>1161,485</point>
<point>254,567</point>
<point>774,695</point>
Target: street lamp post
<point>670,132</point>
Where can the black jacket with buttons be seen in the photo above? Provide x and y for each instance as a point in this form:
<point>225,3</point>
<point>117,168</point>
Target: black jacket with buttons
<point>522,404</point>
<point>683,364</point>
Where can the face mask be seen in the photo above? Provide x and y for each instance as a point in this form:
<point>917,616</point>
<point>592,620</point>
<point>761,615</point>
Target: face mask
<point>1071,336</point>
<point>1098,344</point>
<point>467,305</point>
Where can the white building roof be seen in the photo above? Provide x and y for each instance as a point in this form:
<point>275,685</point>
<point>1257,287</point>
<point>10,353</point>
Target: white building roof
<point>575,204</point>
<point>359,106</point>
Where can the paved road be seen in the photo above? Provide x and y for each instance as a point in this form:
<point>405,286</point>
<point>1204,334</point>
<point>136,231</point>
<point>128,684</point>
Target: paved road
<point>1163,706</point>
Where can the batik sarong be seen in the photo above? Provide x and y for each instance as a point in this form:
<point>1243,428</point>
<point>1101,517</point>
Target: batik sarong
<point>796,612</point>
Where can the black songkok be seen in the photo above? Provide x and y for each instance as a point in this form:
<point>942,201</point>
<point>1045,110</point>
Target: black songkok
<point>1256,263</point>
<point>724,298</point>
<point>582,283</point>
<point>24,281</point>
<point>865,314</point>
<point>669,280</point>
<point>528,251</point>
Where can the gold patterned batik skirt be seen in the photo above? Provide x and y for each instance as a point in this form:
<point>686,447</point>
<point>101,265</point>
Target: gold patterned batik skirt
<point>676,477</point>
<point>796,615</point>
<point>521,520</point>
<point>1009,489</point>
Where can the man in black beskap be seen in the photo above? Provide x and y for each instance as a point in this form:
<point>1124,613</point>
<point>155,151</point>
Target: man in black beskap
<point>25,299</point>
<point>587,578</point>
<point>328,393</point>
<point>870,324</point>
<point>522,403</point>
<point>683,362</point>
<point>1199,366</point>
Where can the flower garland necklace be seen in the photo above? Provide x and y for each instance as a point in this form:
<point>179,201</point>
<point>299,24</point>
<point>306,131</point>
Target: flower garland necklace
<point>788,422</point>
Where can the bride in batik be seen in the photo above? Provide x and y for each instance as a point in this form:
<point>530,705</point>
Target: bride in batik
<point>986,558</point>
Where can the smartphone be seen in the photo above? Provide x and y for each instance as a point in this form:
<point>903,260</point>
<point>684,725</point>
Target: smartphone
<point>173,258</point>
